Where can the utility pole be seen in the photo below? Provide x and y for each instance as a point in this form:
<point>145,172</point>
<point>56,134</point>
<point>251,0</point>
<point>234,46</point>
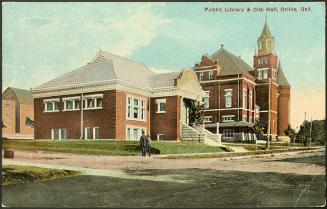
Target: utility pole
<point>305,117</point>
<point>310,131</point>
<point>82,116</point>
<point>268,128</point>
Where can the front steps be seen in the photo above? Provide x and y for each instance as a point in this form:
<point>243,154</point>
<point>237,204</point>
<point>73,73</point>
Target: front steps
<point>200,134</point>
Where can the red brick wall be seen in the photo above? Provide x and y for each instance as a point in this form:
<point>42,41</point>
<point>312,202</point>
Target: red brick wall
<point>167,123</point>
<point>283,109</point>
<point>102,118</point>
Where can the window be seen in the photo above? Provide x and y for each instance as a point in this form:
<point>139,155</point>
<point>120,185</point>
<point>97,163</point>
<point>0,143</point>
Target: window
<point>51,105</point>
<point>161,105</point>
<point>228,97</point>
<point>263,74</point>
<point>274,73</point>
<point>58,133</point>
<point>228,118</point>
<point>71,103</point>
<point>207,119</point>
<point>251,100</point>
<point>244,98</point>
<point>227,133</point>
<point>133,133</point>
<point>211,74</point>
<point>206,99</point>
<point>54,134</point>
<point>201,76</point>
<point>96,133</point>
<point>87,133</point>
<point>259,62</point>
<point>250,120</point>
<point>160,137</point>
<point>266,60</point>
<point>92,101</point>
<point>136,108</point>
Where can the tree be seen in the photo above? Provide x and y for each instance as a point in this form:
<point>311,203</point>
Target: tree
<point>290,132</point>
<point>259,128</point>
<point>196,112</point>
<point>318,132</point>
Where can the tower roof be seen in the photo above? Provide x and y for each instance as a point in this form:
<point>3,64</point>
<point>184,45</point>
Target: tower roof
<point>281,78</point>
<point>265,31</point>
<point>230,63</point>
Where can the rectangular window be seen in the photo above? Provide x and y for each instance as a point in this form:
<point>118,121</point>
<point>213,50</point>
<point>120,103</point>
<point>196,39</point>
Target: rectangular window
<point>133,133</point>
<point>201,76</point>
<point>93,101</point>
<point>51,105</point>
<point>265,74</point>
<point>161,105</point>
<point>211,74</point>
<point>251,100</point>
<point>228,118</point>
<point>227,133</point>
<point>77,104</point>
<point>54,133</point>
<point>136,108</point>
<point>99,102</point>
<point>87,133</point>
<point>206,99</point>
<point>228,97</point>
<point>63,133</point>
<point>207,119</point>
<point>244,98</point>
<point>69,105</point>
<point>96,133</point>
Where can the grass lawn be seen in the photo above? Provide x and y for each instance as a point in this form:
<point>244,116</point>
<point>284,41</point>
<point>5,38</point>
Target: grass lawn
<point>108,147</point>
<point>272,145</point>
<point>24,174</point>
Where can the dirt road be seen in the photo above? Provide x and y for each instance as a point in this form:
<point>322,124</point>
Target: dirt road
<point>267,163</point>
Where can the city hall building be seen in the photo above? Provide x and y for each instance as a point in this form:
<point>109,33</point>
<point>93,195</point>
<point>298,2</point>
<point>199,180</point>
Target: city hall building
<point>237,94</point>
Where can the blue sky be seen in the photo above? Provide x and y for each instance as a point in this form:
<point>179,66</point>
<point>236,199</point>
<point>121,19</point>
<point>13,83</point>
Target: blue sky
<point>44,40</point>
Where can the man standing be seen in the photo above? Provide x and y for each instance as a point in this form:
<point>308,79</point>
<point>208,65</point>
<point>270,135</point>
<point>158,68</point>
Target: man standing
<point>143,143</point>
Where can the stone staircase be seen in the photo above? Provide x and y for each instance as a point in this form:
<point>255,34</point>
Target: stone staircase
<point>200,134</point>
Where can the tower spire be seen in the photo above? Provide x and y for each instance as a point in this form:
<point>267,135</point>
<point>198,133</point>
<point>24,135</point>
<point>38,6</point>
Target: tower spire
<point>266,41</point>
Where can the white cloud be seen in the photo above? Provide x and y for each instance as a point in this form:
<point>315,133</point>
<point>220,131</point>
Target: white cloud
<point>161,70</point>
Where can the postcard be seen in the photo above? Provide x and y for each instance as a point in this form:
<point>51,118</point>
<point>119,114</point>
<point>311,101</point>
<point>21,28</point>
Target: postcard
<point>163,104</point>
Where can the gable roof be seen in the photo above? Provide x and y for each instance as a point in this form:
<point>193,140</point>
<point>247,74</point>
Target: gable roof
<point>23,96</point>
<point>281,78</point>
<point>106,66</point>
<point>231,64</point>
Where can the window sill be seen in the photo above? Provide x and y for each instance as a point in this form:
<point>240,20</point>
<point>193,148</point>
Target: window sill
<point>93,108</point>
<point>161,112</point>
<point>51,111</point>
<point>133,119</point>
<point>68,110</point>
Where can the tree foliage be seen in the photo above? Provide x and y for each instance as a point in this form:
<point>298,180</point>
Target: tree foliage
<point>290,132</point>
<point>259,128</point>
<point>318,132</point>
<point>196,113</point>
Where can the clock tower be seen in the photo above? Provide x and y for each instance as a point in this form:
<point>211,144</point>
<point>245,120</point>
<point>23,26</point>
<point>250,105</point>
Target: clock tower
<point>265,63</point>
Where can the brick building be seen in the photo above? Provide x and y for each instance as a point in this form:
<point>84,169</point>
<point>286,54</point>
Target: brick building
<point>236,94</point>
<point>17,114</point>
<point>120,99</point>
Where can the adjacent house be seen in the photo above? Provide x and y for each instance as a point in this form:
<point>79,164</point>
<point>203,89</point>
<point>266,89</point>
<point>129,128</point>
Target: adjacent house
<point>17,114</point>
<point>112,97</point>
<point>237,94</point>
